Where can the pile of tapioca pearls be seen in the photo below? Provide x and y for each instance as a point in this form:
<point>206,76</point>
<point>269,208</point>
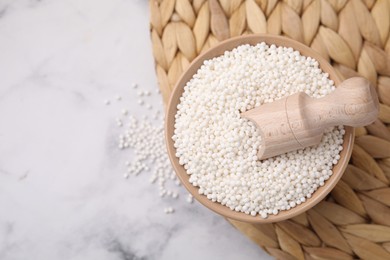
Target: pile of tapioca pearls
<point>218,147</point>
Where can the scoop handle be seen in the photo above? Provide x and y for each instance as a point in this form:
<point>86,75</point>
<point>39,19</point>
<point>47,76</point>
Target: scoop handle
<point>354,103</point>
<point>299,121</point>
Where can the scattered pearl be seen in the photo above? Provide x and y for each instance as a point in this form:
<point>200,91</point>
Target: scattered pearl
<point>153,179</point>
<point>190,199</point>
<point>119,122</point>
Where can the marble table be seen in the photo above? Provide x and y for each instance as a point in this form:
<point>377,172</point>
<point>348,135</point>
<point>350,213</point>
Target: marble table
<point>62,191</point>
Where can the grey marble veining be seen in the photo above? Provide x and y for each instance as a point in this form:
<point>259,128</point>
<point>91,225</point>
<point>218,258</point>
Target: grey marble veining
<point>62,194</point>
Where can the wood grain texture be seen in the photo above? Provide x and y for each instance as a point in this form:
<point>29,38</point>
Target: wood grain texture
<point>361,31</point>
<point>283,128</point>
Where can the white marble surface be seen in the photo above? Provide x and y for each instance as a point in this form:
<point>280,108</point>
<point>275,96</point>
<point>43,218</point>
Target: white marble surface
<point>62,194</point>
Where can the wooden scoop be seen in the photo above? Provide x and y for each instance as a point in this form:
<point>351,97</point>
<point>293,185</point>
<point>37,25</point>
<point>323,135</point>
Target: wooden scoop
<point>299,121</point>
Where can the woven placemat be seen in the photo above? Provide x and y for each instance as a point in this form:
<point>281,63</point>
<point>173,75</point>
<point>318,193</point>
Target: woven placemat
<point>354,220</point>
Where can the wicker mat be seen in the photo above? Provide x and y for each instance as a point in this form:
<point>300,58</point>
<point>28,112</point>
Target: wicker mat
<point>354,220</point>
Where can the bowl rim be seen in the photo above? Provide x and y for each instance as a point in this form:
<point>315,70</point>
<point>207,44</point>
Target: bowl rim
<point>171,110</point>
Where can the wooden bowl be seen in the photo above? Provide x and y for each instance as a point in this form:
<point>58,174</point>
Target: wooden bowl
<point>218,50</point>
